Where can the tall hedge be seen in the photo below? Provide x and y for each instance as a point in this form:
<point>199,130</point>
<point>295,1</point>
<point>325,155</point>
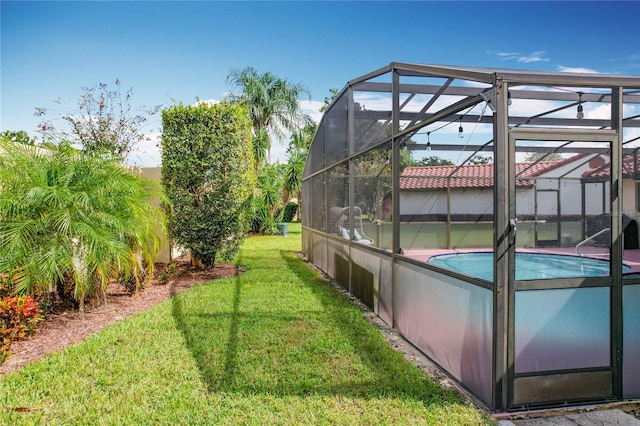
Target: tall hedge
<point>208,175</point>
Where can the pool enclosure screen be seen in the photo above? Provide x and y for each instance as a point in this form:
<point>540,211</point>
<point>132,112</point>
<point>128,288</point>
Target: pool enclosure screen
<point>491,217</point>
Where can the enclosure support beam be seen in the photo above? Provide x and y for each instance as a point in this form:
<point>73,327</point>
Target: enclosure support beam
<point>395,168</point>
<point>503,181</point>
<point>617,241</point>
<point>350,172</point>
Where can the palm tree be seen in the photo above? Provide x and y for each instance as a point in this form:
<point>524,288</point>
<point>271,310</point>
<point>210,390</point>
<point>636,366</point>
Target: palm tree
<point>70,221</point>
<point>268,199</point>
<point>301,139</point>
<point>272,102</point>
<point>260,144</point>
<point>292,179</point>
<point>298,152</point>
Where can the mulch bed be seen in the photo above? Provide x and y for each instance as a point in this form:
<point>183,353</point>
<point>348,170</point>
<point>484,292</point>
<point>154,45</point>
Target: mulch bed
<point>66,326</point>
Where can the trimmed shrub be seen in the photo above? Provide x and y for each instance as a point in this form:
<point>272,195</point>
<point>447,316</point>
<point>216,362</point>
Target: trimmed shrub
<point>208,175</point>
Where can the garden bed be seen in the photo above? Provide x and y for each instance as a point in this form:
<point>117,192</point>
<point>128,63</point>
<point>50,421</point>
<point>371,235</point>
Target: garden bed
<point>63,327</point>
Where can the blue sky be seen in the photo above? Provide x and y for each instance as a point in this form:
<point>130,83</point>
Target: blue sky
<point>178,51</point>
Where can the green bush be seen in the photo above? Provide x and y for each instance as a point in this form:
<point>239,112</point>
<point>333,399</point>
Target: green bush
<point>208,174</point>
<point>267,200</point>
<point>70,222</point>
<point>290,211</point>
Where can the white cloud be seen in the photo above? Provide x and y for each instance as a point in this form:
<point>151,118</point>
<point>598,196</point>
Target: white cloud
<point>146,153</point>
<point>537,56</point>
<point>578,70</point>
<point>508,55</point>
<point>312,108</point>
<point>602,112</point>
<point>374,101</point>
<point>206,101</point>
<point>279,151</point>
<point>534,57</point>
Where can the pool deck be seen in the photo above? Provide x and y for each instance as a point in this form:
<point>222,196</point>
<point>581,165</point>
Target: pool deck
<point>630,257</point>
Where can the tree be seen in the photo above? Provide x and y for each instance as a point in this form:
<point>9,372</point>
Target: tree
<point>372,180</point>
<point>19,136</point>
<point>298,152</point>
<point>260,145</point>
<point>208,174</point>
<point>71,221</point>
<point>533,157</point>
<point>268,205</point>
<point>292,178</point>
<point>434,161</point>
<point>481,159</point>
<point>104,121</point>
<point>328,99</point>
<point>272,103</point>
<point>301,139</point>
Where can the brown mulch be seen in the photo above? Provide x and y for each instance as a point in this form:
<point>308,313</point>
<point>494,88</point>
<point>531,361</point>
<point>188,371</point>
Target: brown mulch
<point>64,327</point>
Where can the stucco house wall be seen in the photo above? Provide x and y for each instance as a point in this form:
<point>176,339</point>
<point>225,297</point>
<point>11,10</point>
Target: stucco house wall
<point>164,256</point>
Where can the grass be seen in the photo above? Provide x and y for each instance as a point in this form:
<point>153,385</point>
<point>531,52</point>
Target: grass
<point>432,235</point>
<point>275,345</point>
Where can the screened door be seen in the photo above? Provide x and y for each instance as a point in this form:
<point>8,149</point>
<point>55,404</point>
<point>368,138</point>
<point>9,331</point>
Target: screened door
<point>560,326</point>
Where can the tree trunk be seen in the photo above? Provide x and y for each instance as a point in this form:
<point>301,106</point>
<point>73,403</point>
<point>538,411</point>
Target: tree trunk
<point>195,262</point>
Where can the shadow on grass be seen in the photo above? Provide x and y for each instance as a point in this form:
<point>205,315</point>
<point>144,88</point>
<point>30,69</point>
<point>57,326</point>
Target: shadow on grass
<point>392,375</point>
<point>282,352</point>
<point>195,340</point>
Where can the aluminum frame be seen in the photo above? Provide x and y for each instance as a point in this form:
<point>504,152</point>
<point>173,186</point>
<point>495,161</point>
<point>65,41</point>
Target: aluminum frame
<point>498,85</point>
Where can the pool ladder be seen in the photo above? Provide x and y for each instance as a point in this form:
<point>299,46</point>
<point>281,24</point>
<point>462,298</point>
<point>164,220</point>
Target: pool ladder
<point>583,242</point>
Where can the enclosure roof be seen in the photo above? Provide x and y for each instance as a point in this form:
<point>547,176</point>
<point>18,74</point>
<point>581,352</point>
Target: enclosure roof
<point>491,75</point>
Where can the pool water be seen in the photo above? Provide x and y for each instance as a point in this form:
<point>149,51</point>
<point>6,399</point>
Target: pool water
<point>529,266</point>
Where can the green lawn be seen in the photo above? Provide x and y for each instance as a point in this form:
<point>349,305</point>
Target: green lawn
<point>275,345</point>
<point>431,235</point>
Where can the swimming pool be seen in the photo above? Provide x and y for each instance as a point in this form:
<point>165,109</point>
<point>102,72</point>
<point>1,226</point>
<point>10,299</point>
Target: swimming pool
<point>529,266</point>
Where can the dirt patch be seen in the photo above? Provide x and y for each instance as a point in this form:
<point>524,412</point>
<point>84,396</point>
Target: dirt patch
<point>64,327</point>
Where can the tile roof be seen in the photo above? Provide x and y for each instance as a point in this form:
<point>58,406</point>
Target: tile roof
<point>472,176</point>
<point>628,167</point>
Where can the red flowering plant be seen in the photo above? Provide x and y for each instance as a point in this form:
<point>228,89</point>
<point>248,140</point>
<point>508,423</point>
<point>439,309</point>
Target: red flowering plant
<point>19,316</point>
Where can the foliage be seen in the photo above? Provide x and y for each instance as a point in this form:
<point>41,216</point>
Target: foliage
<point>301,139</point>
<point>292,176</point>
<point>533,157</point>
<point>290,211</point>
<point>276,345</point>
<point>434,160</point>
<point>208,174</point>
<point>326,103</point>
<point>19,316</point>
<point>260,145</point>
<point>298,151</point>
<point>272,104</point>
<point>267,201</point>
<point>17,137</point>
<point>70,221</point>
<point>104,121</point>
<point>481,159</point>
<point>372,172</point>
